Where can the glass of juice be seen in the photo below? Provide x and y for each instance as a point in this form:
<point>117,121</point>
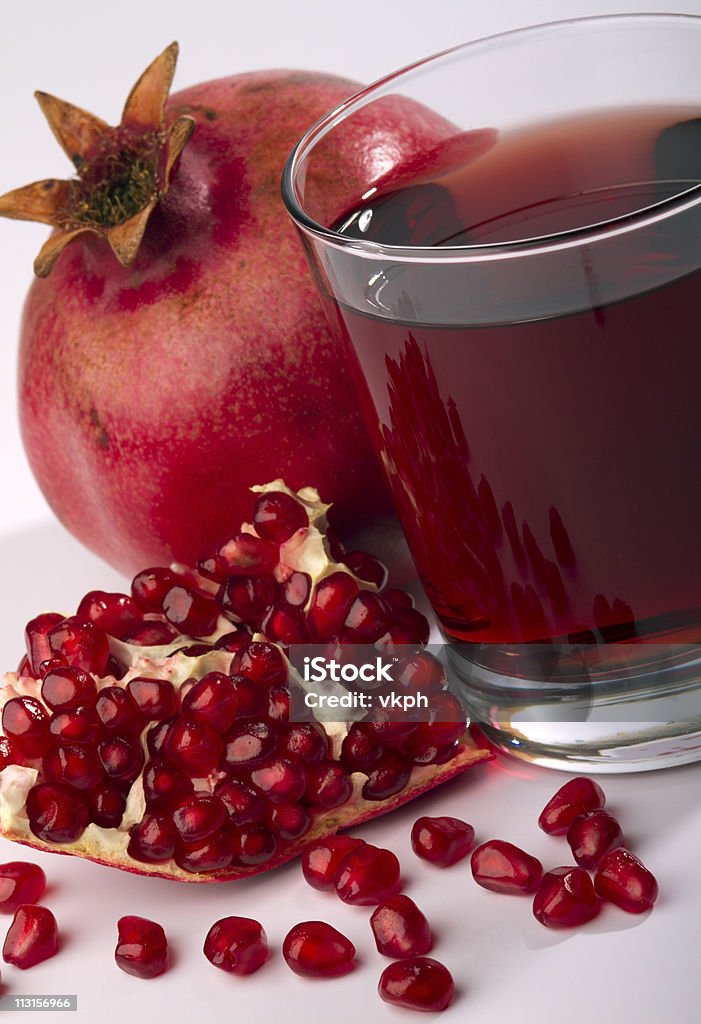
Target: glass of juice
<point>510,252</point>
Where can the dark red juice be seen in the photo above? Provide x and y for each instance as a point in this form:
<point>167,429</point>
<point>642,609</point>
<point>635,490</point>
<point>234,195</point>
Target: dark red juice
<point>545,459</point>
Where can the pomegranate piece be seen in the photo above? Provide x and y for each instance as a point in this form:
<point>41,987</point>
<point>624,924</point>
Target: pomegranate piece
<point>56,813</point>
<point>289,821</point>
<point>237,945</point>
<point>388,776</point>
<point>149,587</point>
<point>79,767</point>
<point>330,605</point>
<point>328,785</point>
<point>164,785</point>
<point>366,568</point>
<point>117,711</point>
<point>622,879</point>
<point>36,636</point>
<point>199,816</point>
<point>116,614</point>
<point>65,688</point>
<point>441,841</point>
<point>314,949</point>
<point>153,698</point>
<point>400,929</point>
<point>279,780</point>
<point>20,882</point>
<point>574,798</point>
<point>81,725</point>
<point>193,747</point>
<point>503,867</point>
<point>213,701</point>
<point>278,515</point>
<point>262,662</point>
<point>321,860</point>
<point>242,555</point>
<point>31,938</point>
<point>142,947</point>
<point>419,983</point>
<point>565,898</point>
<point>247,744</point>
<point>367,875</point>
<point>591,835</point>
<point>153,839</point>
<point>190,612</point>
<point>252,845</point>
<point>82,644</point>
<point>247,597</point>
<point>122,757</point>
<point>26,723</point>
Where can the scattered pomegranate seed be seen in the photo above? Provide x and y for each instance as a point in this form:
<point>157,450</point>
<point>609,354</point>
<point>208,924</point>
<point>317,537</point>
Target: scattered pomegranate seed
<point>243,555</point>
<point>622,879</point>
<point>82,644</point>
<point>441,841</point>
<point>20,882</point>
<point>56,813</point>
<point>330,605</point>
<point>190,612</point>
<point>420,983</point>
<point>503,867</point>
<point>237,945</point>
<point>367,875</point>
<point>25,721</point>
<point>116,614</point>
<point>31,938</point>
<point>315,949</point>
<point>142,947</point>
<point>565,898</point>
<point>36,635</point>
<point>153,698</point>
<point>366,568</point>
<point>321,860</point>
<point>213,701</point>
<point>278,515</point>
<point>400,928</point>
<point>247,597</point>
<point>574,798</point>
<point>65,688</point>
<point>199,816</point>
<point>591,835</point>
<point>153,839</point>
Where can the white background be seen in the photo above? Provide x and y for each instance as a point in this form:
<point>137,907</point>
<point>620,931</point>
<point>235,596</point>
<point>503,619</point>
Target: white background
<point>507,966</point>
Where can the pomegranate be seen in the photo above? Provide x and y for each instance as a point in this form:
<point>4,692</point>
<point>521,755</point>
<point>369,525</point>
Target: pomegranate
<point>31,938</point>
<point>315,949</point>
<point>503,867</point>
<point>174,336</point>
<point>622,879</point>
<point>182,759</point>
<point>237,945</point>
<point>142,947</point>
<point>400,929</point>
<point>565,898</point>
<point>420,983</point>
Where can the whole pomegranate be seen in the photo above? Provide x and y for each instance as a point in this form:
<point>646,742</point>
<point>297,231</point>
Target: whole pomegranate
<point>178,353</point>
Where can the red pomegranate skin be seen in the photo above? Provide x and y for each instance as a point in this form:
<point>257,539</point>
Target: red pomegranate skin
<point>153,396</point>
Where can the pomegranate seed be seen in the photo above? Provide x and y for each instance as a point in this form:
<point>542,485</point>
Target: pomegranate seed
<point>328,785</point>
<point>116,614</point>
<point>107,805</point>
<point>565,898</point>
<point>151,634</point>
<point>157,736</point>
<point>65,688</point>
<point>78,726</point>
<point>210,854</point>
<point>286,624</point>
<point>277,516</point>
<point>397,600</point>
<point>360,750</point>
<point>366,620</point>
<point>296,589</point>
<point>149,587</point>
<point>197,817</point>
<point>262,662</point>
<point>420,983</point>
<point>391,733</point>
<point>122,757</point>
<point>414,622</point>
<point>278,710</point>
<point>441,841</point>
<point>574,798</point>
<point>252,845</point>
<point>26,723</point>
<point>195,650</point>
<point>248,743</point>
<point>331,603</point>
<point>154,698</point>
<point>591,835</point>
<point>82,644</point>
<point>251,698</point>
<point>36,635</point>
<point>142,947</point>
<point>20,882</point>
<point>423,748</point>
<point>117,711</point>
<point>400,929</point>
<point>306,741</point>
<point>279,780</point>
<point>213,701</point>
<point>247,597</point>
<point>367,875</point>
<point>366,568</point>
<point>422,672</point>
<point>50,664</point>
<point>8,752</point>
<point>32,937</point>
<point>237,945</point>
<point>624,880</point>
<point>153,839</point>
<point>233,641</point>
<point>56,814</point>
<point>503,867</point>
<point>321,860</point>
<point>164,785</point>
<point>190,612</point>
<point>193,747</point>
<point>387,777</point>
<point>243,805</point>
<point>75,766</point>
<point>243,555</point>
<point>289,821</point>
<point>313,949</point>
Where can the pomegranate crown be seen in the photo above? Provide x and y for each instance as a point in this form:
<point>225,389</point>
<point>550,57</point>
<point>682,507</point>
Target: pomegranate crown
<point>122,172</point>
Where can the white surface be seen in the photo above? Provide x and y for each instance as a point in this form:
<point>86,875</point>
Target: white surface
<point>507,966</point>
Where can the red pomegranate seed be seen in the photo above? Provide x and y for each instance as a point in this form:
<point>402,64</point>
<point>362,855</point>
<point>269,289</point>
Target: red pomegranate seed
<point>441,841</point>
<point>390,733</point>
<point>366,568</point>
<point>233,641</point>
<point>322,859</point>
<point>82,644</point>
<point>289,821</point>
<point>503,867</point>
<point>56,813</point>
<point>296,589</point>
<point>367,875</point>
<point>413,621</point>
<point>243,805</point>
<point>420,983</point>
<point>116,614</point>
<point>237,945</point>
<point>198,816</point>
<point>328,785</point>
<point>396,600</point>
<point>75,766</point>
<point>20,882</point>
<point>388,776</point>
<point>286,624</point>
<point>252,844</point>
<point>278,515</point>
<point>243,555</point>
<point>152,634</point>
<point>117,711</point>
<point>279,780</point>
<point>565,898</point>
<point>190,612</point>
<point>122,757</point>
<point>247,597</point>
<point>26,723</point>
<point>50,664</point>
<point>422,747</point>
<point>262,662</point>
<point>78,726</point>
<point>247,744</point>
<point>213,701</point>
<point>421,673</point>
<point>164,785</point>
<point>154,698</point>
<point>211,854</point>
<point>591,835</point>
<point>8,752</point>
<point>153,839</point>
<point>251,697</point>
<point>32,937</point>
<point>313,949</point>
<point>574,798</point>
<point>366,620</point>
<point>157,736</point>
<point>306,741</point>
<point>278,710</point>
<point>330,605</point>
<point>361,749</point>
<point>193,747</point>
<point>622,879</point>
<point>142,947</point>
<point>149,587</point>
<point>36,636</point>
<point>65,688</point>
<point>107,804</point>
<point>400,929</point>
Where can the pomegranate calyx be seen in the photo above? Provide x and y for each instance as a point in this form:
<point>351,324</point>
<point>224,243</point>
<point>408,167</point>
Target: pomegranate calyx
<point>122,172</point>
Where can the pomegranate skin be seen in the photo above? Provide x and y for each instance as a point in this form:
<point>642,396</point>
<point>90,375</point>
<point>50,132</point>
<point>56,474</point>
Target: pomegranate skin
<point>141,387</point>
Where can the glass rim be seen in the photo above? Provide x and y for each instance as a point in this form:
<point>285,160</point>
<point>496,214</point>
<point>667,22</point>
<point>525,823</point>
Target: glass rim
<point>647,215</point>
